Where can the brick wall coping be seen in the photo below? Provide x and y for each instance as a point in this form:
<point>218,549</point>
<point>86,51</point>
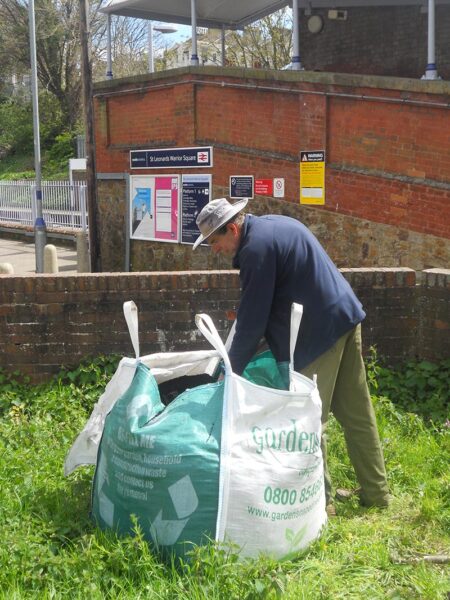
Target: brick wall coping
<point>402,84</point>
<point>184,279</point>
<point>196,273</point>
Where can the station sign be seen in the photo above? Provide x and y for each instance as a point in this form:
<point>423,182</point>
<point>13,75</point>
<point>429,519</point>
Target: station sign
<point>170,158</point>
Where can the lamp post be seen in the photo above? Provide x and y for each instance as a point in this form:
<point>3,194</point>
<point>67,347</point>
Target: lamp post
<point>162,28</point>
<point>40,233</point>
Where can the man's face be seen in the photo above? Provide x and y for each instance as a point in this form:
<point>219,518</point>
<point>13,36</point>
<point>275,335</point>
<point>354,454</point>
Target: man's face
<point>227,243</point>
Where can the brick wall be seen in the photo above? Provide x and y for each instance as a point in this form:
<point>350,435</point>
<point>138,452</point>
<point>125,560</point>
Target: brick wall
<point>385,40</point>
<point>349,240</point>
<point>386,142</point>
<point>433,308</point>
<point>47,321</point>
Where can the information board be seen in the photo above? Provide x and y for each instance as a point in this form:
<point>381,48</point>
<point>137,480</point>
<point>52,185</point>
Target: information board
<point>241,186</point>
<point>195,194</point>
<point>154,206</point>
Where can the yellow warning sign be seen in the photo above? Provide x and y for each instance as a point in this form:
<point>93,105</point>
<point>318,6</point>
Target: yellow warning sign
<point>312,177</point>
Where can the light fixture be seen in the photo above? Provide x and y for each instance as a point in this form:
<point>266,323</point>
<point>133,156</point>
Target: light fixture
<point>315,24</point>
<point>162,28</point>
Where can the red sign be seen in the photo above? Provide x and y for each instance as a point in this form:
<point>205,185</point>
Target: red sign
<point>264,187</point>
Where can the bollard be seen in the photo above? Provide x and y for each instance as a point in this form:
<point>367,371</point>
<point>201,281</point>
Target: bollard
<point>83,261</point>
<point>6,269</point>
<point>50,259</point>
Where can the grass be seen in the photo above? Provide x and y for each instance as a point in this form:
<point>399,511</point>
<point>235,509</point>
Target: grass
<point>50,549</point>
<point>17,167</point>
<point>14,167</point>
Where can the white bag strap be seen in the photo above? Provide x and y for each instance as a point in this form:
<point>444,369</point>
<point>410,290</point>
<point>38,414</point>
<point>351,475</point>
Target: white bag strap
<point>296,318</point>
<point>230,337</point>
<point>131,316</point>
<point>207,327</point>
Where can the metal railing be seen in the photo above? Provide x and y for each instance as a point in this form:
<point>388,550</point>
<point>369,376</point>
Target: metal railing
<point>63,203</point>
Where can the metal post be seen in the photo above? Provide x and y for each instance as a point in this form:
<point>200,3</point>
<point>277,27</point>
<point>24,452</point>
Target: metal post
<point>431,70</point>
<point>109,73</point>
<point>296,64</point>
<point>127,225</point>
<point>223,45</point>
<point>33,203</point>
<point>151,66</point>
<point>94,244</point>
<point>82,203</point>
<point>72,203</point>
<point>194,56</point>
<point>40,234</point>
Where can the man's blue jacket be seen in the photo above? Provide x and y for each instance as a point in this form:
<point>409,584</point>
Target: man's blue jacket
<point>281,262</point>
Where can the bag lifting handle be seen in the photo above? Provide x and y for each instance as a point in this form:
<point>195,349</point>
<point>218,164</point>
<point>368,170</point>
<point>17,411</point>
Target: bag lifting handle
<point>131,316</point>
<point>296,319</point>
<point>207,327</point>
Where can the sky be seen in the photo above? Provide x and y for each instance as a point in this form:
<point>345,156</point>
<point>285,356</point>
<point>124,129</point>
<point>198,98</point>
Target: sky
<point>183,33</point>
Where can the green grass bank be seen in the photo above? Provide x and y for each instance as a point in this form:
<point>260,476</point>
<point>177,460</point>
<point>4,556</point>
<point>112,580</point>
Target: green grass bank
<point>50,549</point>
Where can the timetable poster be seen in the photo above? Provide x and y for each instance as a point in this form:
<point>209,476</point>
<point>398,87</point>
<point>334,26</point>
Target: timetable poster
<point>195,194</point>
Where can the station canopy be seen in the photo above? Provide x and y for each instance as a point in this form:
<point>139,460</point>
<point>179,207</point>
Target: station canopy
<point>231,14</point>
<point>215,14</point>
<point>236,14</point>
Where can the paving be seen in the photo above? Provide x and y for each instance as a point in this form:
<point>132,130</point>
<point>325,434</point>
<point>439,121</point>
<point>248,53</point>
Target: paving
<point>22,257</point>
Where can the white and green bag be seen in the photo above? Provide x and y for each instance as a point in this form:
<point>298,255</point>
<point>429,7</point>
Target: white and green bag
<point>232,461</point>
<point>271,497</point>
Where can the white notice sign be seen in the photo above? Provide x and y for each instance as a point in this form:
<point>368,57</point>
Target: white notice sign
<point>278,187</point>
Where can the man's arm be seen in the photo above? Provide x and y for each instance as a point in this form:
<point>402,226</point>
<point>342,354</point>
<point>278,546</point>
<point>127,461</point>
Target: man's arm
<point>258,277</point>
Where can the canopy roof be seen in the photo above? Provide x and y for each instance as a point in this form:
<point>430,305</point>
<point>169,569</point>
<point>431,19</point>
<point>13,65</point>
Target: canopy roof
<point>231,14</point>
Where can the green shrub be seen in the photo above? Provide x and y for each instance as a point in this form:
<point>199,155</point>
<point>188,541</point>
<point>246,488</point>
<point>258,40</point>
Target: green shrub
<point>56,159</point>
<point>84,385</point>
<point>16,133</point>
<point>420,387</point>
<point>62,149</point>
<point>17,138</point>
<point>88,381</point>
<point>18,176</point>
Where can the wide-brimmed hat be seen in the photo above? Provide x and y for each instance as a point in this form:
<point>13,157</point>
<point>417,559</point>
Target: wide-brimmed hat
<point>214,215</point>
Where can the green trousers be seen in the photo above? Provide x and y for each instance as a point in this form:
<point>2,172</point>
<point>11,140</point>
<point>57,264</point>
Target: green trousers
<point>341,379</point>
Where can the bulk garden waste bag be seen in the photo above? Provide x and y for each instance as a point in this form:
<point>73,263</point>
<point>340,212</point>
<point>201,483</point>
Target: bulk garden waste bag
<point>233,461</point>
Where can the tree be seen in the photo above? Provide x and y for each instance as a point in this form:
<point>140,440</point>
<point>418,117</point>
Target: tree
<point>58,47</point>
<point>128,48</point>
<point>266,43</point>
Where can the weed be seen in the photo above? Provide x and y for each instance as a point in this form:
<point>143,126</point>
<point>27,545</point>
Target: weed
<point>420,387</point>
